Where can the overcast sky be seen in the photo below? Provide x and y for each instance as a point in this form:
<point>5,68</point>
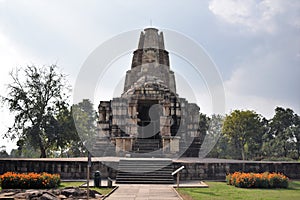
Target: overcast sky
<point>255,44</point>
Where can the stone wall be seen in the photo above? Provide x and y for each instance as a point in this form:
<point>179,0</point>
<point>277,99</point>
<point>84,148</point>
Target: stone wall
<point>195,169</point>
<point>208,170</point>
<point>67,168</point>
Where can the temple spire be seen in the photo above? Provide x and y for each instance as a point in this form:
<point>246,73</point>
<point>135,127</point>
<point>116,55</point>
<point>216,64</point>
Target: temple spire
<point>150,38</point>
<point>151,49</point>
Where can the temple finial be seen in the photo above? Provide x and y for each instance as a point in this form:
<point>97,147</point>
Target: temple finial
<point>151,38</point>
<point>151,48</point>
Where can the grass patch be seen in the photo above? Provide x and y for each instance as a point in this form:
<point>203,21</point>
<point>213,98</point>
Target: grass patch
<point>220,191</point>
<point>70,184</point>
<point>103,191</point>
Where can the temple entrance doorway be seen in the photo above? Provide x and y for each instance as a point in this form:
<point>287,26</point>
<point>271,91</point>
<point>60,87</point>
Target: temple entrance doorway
<point>149,138</point>
<point>149,112</point>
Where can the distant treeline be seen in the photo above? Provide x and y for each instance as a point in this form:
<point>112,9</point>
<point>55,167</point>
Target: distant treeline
<point>246,135</point>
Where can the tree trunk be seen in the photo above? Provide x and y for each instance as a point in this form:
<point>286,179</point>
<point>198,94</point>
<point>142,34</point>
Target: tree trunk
<point>285,150</point>
<point>243,153</point>
<point>43,151</point>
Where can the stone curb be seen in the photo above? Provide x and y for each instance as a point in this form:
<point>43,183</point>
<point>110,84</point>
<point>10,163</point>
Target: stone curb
<point>113,190</point>
<point>177,193</point>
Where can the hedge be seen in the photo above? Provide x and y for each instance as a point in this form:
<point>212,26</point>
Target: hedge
<point>257,180</point>
<point>11,180</point>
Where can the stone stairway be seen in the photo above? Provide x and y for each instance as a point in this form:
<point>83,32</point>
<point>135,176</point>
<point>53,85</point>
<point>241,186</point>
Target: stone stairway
<point>147,148</point>
<point>145,171</point>
<point>146,145</point>
<point>102,147</point>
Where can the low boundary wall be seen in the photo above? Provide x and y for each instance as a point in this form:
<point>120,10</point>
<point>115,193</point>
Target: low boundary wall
<point>68,168</point>
<point>216,169</point>
<point>195,168</point>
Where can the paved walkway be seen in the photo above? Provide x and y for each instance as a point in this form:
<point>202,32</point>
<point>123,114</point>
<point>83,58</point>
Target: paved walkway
<point>144,192</point>
<point>148,191</point>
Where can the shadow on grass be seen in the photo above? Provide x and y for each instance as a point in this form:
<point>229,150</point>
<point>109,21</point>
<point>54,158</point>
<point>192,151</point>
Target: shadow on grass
<point>208,193</point>
<point>293,185</point>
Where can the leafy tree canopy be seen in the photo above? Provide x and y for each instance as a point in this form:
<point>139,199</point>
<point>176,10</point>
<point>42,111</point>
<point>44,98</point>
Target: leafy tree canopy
<point>36,95</point>
<point>241,128</point>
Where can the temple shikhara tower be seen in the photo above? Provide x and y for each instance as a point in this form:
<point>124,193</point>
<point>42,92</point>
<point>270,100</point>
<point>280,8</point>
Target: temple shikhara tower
<point>149,118</point>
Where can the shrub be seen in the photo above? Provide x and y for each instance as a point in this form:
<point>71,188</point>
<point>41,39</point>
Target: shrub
<point>29,180</point>
<point>256,180</point>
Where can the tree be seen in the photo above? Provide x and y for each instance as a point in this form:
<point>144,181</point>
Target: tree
<point>256,141</point>
<point>24,150</point>
<point>3,153</point>
<point>36,95</point>
<point>204,121</point>
<point>85,118</point>
<point>297,134</point>
<point>284,133</point>
<point>214,137</point>
<point>63,128</point>
<point>242,128</point>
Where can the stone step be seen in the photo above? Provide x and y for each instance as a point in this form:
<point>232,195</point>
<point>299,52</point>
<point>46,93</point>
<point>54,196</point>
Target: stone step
<point>147,155</point>
<point>141,161</point>
<point>145,171</point>
<point>146,146</point>
<point>147,141</point>
<point>145,164</point>
<point>143,140</point>
<point>145,149</point>
<point>148,173</point>
<point>145,182</point>
<point>145,179</point>
<point>162,165</point>
<point>138,176</point>
<point>103,147</point>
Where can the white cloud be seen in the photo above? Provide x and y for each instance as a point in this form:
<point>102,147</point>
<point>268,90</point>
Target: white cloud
<point>267,76</point>
<point>257,16</point>
<point>263,82</point>
<point>261,105</point>
<point>9,58</point>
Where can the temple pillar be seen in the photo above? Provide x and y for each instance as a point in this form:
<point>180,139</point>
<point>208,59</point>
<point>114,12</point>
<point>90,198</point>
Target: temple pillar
<point>170,144</point>
<point>123,144</point>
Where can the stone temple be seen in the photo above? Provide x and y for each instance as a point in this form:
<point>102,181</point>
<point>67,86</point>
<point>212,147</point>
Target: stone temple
<point>149,119</point>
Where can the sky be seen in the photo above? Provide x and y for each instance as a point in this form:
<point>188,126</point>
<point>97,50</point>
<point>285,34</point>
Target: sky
<point>255,44</point>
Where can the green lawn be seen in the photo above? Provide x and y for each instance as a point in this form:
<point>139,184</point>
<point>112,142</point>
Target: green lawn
<point>103,191</point>
<point>221,191</point>
<point>70,184</point>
